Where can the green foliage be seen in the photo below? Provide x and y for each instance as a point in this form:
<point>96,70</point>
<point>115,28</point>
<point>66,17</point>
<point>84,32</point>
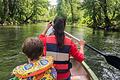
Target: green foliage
<point>101,12</point>
<point>69,8</point>
<point>22,11</point>
<point>94,13</point>
<point>61,8</point>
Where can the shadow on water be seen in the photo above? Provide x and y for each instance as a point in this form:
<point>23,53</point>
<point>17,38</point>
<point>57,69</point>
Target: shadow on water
<point>11,39</point>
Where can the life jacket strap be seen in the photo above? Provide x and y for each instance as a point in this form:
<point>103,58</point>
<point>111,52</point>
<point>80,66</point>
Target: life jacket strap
<point>63,68</point>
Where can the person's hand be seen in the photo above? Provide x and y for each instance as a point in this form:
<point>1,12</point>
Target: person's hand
<point>82,43</point>
<point>49,25</point>
<point>46,29</point>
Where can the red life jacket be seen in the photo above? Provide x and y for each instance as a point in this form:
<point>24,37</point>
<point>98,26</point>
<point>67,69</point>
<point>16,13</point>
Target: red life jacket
<point>61,56</point>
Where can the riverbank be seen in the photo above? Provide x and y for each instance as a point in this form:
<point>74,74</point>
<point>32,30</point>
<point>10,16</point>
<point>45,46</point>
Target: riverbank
<point>15,23</point>
<point>114,29</point>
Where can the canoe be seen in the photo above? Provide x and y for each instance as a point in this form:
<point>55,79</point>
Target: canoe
<point>81,71</point>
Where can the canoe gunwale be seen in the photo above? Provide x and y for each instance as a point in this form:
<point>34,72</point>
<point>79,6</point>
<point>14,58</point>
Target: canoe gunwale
<point>89,71</point>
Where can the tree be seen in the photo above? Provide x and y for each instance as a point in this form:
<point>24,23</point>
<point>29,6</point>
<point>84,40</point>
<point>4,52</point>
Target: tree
<point>104,6</point>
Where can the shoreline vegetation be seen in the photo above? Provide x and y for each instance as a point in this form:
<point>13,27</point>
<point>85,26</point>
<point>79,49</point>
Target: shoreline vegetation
<point>114,29</point>
<point>7,23</point>
<point>96,14</point>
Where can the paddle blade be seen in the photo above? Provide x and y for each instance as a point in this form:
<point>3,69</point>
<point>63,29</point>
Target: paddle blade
<point>113,60</point>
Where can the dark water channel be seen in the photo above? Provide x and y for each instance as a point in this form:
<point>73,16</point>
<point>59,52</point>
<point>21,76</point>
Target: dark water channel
<point>11,38</point>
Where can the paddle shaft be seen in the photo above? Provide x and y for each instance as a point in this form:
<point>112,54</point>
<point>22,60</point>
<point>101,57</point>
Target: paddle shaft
<point>85,44</point>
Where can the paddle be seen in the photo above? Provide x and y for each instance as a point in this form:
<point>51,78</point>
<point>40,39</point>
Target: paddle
<point>112,60</point>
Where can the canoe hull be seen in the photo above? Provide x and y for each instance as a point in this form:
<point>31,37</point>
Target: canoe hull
<point>81,71</point>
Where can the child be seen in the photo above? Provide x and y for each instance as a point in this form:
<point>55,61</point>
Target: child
<point>37,68</point>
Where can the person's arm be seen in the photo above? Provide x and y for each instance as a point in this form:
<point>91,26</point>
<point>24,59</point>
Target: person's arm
<point>78,54</point>
<point>46,29</point>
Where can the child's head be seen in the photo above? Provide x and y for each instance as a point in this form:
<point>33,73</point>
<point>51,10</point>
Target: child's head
<point>33,48</point>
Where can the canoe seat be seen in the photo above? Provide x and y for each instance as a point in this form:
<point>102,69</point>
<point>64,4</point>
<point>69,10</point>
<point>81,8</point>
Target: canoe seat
<point>81,77</point>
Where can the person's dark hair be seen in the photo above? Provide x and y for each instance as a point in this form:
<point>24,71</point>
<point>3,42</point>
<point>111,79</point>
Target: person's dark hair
<point>32,48</point>
<point>59,26</point>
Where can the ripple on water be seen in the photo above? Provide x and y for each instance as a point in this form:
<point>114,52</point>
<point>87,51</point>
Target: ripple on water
<point>107,42</point>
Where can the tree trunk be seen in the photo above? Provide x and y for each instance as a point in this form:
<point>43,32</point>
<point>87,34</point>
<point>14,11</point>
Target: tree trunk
<point>27,18</point>
<point>70,2</point>
<point>106,19</point>
<point>5,11</point>
<point>94,16</point>
<point>12,5</point>
<point>99,20</point>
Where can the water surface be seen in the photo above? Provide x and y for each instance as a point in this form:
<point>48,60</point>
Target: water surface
<point>12,37</point>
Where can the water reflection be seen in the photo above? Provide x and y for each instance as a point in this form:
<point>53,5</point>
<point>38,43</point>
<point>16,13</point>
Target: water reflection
<point>11,39</point>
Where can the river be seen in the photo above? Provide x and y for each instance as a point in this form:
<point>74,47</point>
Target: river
<point>12,37</point>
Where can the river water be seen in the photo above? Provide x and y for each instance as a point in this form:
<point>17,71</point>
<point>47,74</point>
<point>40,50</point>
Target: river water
<point>11,38</point>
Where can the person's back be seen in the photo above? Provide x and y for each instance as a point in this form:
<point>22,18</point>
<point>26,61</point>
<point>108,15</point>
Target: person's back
<point>61,48</point>
<point>37,68</point>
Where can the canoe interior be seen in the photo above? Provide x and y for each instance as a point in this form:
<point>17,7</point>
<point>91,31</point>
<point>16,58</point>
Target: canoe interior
<point>78,72</point>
